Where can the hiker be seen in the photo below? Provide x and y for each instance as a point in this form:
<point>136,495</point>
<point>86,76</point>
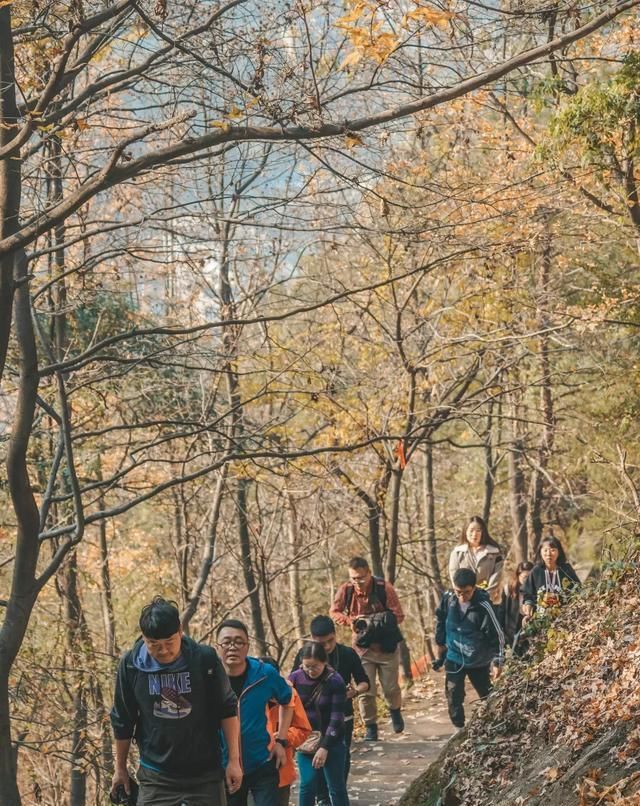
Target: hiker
<point>470,641</point>
<point>370,606</point>
<point>256,684</point>
<point>346,661</point>
<point>512,602</point>
<point>478,551</point>
<point>173,696</point>
<point>323,693</point>
<point>298,732</point>
<point>551,580</point>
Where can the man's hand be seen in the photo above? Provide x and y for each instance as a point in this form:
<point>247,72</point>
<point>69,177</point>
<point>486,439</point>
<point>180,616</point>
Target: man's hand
<point>280,755</point>
<point>320,758</point>
<point>351,692</point>
<point>233,776</point>
<point>496,671</point>
<point>120,778</point>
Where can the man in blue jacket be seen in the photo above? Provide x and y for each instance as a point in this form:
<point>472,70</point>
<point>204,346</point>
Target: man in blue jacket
<point>469,636</point>
<point>256,684</point>
<point>173,697</point>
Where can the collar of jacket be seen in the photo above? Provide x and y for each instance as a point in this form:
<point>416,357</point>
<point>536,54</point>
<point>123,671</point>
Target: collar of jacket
<point>483,551</point>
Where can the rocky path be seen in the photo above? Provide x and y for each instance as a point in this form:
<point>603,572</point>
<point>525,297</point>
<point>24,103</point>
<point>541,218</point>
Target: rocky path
<point>381,771</point>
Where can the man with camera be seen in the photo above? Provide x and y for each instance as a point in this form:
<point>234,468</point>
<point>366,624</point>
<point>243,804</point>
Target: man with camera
<point>173,696</point>
<point>370,606</point>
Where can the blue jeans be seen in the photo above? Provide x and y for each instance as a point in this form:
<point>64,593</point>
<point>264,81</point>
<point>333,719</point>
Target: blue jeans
<point>263,785</point>
<point>322,792</point>
<point>333,773</point>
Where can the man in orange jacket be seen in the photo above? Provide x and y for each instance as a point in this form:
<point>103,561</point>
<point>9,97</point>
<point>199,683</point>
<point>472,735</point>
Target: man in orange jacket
<point>298,731</point>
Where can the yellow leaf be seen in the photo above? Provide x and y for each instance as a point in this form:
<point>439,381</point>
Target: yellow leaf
<point>235,113</point>
<point>81,124</point>
<point>221,124</point>
<point>354,16</point>
<point>430,15</point>
<point>352,59</point>
<point>352,140</point>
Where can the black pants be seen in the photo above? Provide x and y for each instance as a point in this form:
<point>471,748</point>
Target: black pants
<point>157,789</point>
<point>263,785</point>
<point>322,792</point>
<point>480,679</point>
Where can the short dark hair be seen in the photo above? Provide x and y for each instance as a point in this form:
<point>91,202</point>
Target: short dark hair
<point>234,624</point>
<point>358,562</point>
<point>464,577</point>
<point>322,625</point>
<point>270,662</point>
<point>159,619</point>
<point>313,651</point>
<point>552,541</point>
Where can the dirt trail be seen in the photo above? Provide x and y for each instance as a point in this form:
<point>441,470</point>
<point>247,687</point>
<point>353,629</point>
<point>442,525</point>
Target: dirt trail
<point>381,771</point>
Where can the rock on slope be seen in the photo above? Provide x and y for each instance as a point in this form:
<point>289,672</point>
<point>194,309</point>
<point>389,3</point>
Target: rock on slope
<point>563,726</point>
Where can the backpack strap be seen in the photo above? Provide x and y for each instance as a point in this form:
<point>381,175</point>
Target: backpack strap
<point>378,593</point>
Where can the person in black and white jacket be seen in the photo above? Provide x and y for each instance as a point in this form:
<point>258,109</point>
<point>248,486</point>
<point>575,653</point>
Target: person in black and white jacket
<point>551,581</point>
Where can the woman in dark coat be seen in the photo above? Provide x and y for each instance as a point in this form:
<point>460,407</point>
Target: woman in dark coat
<point>551,581</point>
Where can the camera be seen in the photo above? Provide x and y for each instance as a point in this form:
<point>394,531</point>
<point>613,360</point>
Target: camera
<point>438,663</point>
<point>119,795</point>
<point>361,624</point>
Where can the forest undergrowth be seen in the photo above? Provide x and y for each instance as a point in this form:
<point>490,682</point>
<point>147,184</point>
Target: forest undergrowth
<point>563,726</point>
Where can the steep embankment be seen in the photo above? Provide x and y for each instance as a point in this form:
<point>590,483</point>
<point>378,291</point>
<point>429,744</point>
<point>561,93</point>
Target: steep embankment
<point>563,726</point>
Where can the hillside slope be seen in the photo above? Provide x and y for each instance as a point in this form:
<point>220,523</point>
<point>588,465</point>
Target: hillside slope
<point>563,726</point>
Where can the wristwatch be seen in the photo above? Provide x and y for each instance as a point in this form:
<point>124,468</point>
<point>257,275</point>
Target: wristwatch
<point>283,742</point>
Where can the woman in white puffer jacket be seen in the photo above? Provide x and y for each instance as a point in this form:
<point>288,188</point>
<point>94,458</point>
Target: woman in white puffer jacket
<point>479,552</point>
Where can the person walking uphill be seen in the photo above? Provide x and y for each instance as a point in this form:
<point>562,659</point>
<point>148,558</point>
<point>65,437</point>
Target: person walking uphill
<point>370,606</point>
<point>323,693</point>
<point>346,662</point>
<point>470,641</point>
<point>256,685</point>
<point>550,582</point>
<point>173,696</point>
<point>478,551</point>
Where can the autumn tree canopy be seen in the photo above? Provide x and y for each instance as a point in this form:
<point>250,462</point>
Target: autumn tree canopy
<point>284,282</point>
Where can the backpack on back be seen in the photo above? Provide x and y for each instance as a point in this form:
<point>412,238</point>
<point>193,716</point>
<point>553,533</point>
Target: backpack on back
<point>378,594</point>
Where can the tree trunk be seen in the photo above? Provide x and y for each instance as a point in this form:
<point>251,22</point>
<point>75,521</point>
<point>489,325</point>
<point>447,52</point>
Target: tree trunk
<point>295,590</point>
<point>394,532</point>
<point>489,467</point>
<point>77,638</point>
<point>106,591</point>
<point>518,501</point>
<point>431,545</point>
<point>547,437</point>
<point>208,557</point>
<point>10,177</point>
<point>259,634</point>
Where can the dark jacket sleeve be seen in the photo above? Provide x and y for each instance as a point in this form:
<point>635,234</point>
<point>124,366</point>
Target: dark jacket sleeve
<point>357,669</point>
<point>335,729</point>
<point>224,696</point>
<point>297,661</point>
<point>441,620</point>
<point>125,712</point>
<point>530,588</point>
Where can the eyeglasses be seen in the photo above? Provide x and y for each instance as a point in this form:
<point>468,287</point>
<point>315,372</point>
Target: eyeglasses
<point>235,642</point>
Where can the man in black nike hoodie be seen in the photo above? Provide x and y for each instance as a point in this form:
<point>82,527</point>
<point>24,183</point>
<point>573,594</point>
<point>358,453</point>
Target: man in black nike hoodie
<point>172,698</point>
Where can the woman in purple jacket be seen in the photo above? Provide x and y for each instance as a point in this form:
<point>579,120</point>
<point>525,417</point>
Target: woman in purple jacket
<point>323,694</point>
